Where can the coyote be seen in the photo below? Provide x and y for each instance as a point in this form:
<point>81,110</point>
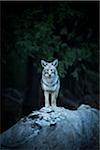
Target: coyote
<point>50,81</point>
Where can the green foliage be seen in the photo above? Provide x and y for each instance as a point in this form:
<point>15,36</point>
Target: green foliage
<point>52,35</point>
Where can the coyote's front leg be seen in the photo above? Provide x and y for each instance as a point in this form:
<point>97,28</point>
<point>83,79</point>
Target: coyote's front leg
<point>53,99</point>
<point>46,95</point>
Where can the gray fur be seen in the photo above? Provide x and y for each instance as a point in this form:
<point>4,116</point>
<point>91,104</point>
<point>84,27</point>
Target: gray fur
<point>50,81</point>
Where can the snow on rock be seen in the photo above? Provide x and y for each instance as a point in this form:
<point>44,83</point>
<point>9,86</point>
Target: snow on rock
<point>54,128</point>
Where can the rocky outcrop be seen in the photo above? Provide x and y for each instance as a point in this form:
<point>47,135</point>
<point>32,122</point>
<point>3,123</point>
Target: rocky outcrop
<point>54,128</point>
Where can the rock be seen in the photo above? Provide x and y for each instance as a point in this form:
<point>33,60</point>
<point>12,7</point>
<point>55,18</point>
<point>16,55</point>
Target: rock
<point>54,128</point>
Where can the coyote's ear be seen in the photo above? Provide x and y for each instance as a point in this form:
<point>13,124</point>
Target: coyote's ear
<point>43,63</point>
<point>55,63</point>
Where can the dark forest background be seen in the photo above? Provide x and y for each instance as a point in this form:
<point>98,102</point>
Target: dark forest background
<point>31,31</point>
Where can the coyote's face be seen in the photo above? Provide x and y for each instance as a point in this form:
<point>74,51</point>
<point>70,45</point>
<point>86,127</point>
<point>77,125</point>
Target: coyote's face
<point>49,69</point>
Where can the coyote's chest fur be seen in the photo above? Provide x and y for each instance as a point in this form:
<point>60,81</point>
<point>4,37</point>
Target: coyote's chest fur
<point>50,81</point>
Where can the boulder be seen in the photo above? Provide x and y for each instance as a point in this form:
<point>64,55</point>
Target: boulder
<point>55,128</point>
